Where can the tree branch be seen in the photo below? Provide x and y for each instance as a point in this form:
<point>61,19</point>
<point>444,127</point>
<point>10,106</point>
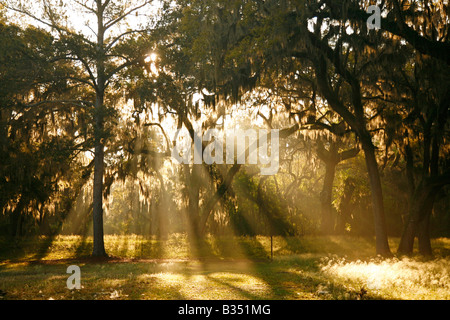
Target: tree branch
<point>163,131</point>
<point>111,44</point>
<point>78,103</point>
<point>120,68</point>
<point>436,49</point>
<point>111,23</point>
<point>348,154</point>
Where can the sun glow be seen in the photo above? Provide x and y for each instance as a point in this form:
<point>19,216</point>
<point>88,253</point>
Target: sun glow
<point>152,57</point>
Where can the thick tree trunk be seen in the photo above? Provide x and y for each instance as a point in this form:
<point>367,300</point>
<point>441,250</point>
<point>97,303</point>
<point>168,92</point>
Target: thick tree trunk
<point>327,223</point>
<point>97,213</point>
<point>16,219</point>
<point>417,224</point>
<point>16,224</point>
<point>423,234</point>
<point>382,245</point>
<point>357,122</point>
<point>162,208</point>
<point>194,198</point>
<point>344,207</point>
<point>331,158</point>
<point>409,233</point>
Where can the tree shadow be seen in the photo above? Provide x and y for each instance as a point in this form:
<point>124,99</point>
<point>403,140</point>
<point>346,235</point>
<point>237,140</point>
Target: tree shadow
<point>44,247</point>
<point>327,245</point>
<point>84,247</point>
<point>302,279</point>
<point>14,249</point>
<point>151,248</point>
<point>299,278</point>
<point>200,248</point>
<point>244,293</point>
<point>253,249</point>
<point>151,288</point>
<point>27,248</point>
<point>122,246</point>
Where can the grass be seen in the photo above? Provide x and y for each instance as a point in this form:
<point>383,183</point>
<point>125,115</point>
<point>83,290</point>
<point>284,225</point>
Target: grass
<point>307,268</point>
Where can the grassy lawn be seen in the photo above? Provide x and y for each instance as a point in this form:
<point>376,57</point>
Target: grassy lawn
<point>222,268</point>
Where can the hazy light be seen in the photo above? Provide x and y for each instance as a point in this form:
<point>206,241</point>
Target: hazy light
<point>152,57</point>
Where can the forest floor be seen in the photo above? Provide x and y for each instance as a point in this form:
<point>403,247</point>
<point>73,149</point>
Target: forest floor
<point>229,268</point>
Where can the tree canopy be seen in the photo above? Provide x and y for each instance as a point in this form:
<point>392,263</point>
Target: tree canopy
<point>92,107</point>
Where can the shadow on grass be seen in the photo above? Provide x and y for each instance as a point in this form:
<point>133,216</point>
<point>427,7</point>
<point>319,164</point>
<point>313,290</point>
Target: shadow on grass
<point>302,279</point>
<point>338,245</point>
<point>12,248</point>
<point>294,278</point>
<point>295,275</point>
<point>253,249</point>
<point>230,248</point>
<point>151,248</point>
<point>44,247</point>
<point>201,248</point>
<point>84,248</point>
<point>28,248</point>
<point>246,294</point>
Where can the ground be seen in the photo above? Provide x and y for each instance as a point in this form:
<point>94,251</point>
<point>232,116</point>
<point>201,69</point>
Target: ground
<point>306,268</point>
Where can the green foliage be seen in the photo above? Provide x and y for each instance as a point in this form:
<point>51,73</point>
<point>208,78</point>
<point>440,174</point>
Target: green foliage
<point>261,206</point>
<point>264,57</point>
<point>35,162</point>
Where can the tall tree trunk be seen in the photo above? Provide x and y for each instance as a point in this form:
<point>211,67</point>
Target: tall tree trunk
<point>97,213</point>
<point>16,217</point>
<point>423,235</point>
<point>417,224</point>
<point>99,246</point>
<point>163,219</point>
<point>357,122</point>
<point>382,245</point>
<point>327,223</point>
<point>344,206</point>
<point>409,233</point>
<point>423,196</point>
<point>194,198</point>
<point>331,158</point>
